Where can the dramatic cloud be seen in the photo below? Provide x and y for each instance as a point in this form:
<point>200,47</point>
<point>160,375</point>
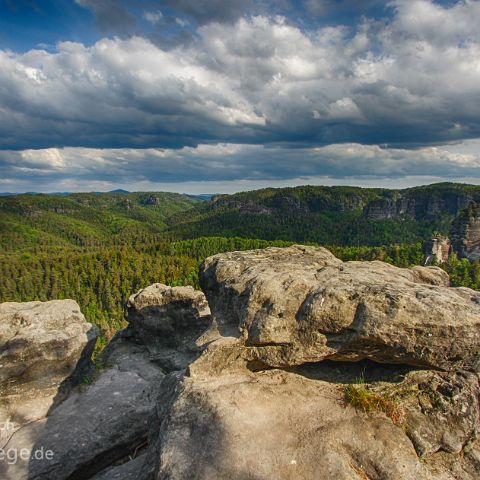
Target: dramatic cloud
<point>410,82</point>
<point>298,98</point>
<point>111,15</point>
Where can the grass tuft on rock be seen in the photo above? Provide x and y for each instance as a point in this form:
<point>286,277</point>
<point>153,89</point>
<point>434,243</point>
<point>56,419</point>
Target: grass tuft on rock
<point>360,397</point>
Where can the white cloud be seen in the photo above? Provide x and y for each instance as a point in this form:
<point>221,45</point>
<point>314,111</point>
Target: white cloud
<point>153,17</point>
<point>407,81</point>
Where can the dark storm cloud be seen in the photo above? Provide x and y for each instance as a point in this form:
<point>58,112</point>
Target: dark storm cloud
<point>110,15</point>
<point>122,16</point>
<point>206,11</point>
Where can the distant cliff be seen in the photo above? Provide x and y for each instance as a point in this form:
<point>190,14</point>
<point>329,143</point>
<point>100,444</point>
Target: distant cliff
<point>465,233</point>
<point>423,203</point>
<point>330,215</point>
<point>349,216</point>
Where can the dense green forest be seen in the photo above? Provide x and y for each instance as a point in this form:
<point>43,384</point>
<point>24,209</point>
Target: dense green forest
<point>101,248</point>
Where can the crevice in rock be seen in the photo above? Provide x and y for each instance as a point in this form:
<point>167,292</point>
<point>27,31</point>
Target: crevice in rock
<point>118,456</point>
<point>366,371</point>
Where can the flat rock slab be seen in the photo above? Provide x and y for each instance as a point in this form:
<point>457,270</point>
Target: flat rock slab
<point>276,424</point>
<point>290,306</point>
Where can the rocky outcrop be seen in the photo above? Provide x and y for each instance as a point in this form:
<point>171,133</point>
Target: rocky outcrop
<point>243,207</point>
<point>152,200</point>
<point>277,424</point>
<point>465,233</point>
<point>295,424</point>
<point>385,208</point>
<point>279,381</point>
<point>168,321</point>
<point>44,348</point>
<point>437,250</point>
<point>301,304</point>
<point>234,416</point>
<point>427,203</point>
<point>101,428</point>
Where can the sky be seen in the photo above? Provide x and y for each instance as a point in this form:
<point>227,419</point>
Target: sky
<point>217,96</point>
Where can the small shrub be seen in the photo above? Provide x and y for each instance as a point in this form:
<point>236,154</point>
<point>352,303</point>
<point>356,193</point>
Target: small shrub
<point>359,397</point>
<point>86,380</point>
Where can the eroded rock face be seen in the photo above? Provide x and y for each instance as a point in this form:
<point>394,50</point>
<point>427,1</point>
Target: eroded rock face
<point>466,233</point>
<point>418,205</point>
<point>438,249</point>
<point>168,320</point>
<point>289,306</point>
<point>442,410</point>
<point>42,344</point>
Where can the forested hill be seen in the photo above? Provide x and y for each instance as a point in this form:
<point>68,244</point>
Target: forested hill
<point>86,219</point>
<point>324,215</point>
<point>330,215</point>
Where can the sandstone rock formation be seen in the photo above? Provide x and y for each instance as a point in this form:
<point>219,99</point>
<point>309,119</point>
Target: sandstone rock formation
<point>438,249</point>
<point>280,425</point>
<point>168,320</point>
<point>106,419</point>
<point>42,344</point>
<point>290,306</point>
<point>420,204</point>
<point>466,233</point>
<point>295,425</point>
<point>262,391</point>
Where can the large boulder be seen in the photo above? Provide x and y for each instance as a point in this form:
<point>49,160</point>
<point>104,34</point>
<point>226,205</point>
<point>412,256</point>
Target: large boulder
<point>101,428</point>
<point>44,347</point>
<point>168,321</point>
<point>289,306</point>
